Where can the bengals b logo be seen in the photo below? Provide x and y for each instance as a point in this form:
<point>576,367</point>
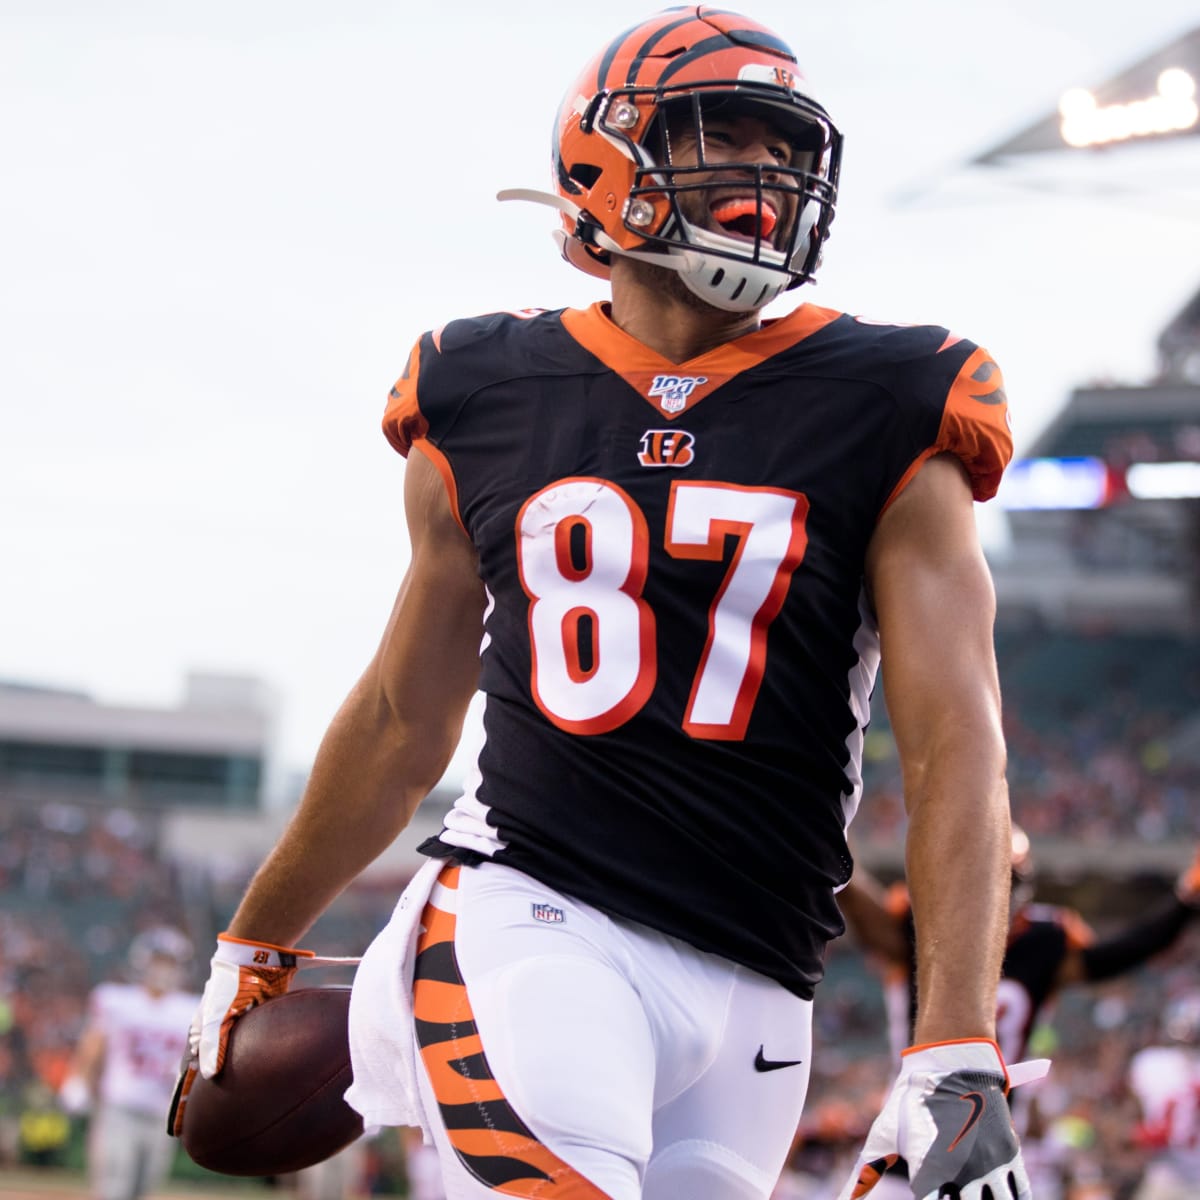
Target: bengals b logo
<point>667,448</point>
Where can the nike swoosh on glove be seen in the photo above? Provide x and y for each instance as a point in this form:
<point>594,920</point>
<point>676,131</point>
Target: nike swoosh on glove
<point>947,1121</point>
<point>242,974</point>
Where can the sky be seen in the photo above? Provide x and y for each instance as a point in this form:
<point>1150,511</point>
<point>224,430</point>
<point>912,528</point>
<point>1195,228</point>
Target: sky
<point>223,224</point>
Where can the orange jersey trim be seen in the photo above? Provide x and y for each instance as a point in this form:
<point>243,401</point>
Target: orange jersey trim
<point>974,427</point>
<point>641,367</point>
<point>403,421</point>
<point>975,423</point>
<point>446,471</point>
<point>1079,933</point>
<point>406,427</point>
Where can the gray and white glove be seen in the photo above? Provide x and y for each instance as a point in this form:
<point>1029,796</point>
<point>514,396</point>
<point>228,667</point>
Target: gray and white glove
<point>946,1122</point>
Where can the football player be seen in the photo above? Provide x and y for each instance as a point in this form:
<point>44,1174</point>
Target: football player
<point>124,1068</point>
<point>1165,1078</point>
<point>669,539</point>
<point>1049,947</point>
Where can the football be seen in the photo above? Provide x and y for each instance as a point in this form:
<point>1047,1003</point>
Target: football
<point>277,1104</point>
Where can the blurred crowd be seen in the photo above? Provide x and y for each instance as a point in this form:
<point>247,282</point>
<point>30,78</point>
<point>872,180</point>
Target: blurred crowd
<point>77,883</point>
<point>1115,755</point>
<point>1074,779</point>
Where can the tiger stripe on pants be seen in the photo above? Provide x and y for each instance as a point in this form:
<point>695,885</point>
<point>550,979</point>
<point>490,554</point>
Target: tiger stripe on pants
<point>489,1138</point>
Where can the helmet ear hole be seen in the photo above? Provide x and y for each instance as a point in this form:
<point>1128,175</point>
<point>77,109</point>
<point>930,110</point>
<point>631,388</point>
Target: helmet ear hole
<point>585,174</point>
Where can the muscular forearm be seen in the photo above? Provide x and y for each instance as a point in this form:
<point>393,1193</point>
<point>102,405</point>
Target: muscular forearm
<point>368,778</point>
<point>958,871</point>
<point>393,737</point>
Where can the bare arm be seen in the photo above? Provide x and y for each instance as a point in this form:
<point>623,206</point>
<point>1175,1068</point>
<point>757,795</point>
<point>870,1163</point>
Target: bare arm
<point>876,928</point>
<point>88,1059</point>
<point>392,738</point>
<point>1155,931</point>
<point>935,603</point>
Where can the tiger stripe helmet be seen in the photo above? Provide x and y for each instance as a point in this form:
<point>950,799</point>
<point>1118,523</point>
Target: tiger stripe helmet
<point>619,190</point>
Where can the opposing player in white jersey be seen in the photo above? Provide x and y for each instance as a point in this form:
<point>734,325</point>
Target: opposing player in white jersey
<point>125,1066</point>
<point>1165,1078</point>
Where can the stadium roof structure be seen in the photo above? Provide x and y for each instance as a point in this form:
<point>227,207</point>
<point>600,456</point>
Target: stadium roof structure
<point>1154,100</point>
<point>1179,344</point>
<point>211,750</point>
<point>1158,421</point>
<point>1126,423</point>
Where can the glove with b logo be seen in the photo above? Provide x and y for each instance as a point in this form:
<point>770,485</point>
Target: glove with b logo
<point>243,974</point>
<point>946,1122</point>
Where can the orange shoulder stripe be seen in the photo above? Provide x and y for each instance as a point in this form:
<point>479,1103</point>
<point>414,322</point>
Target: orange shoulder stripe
<point>406,427</point>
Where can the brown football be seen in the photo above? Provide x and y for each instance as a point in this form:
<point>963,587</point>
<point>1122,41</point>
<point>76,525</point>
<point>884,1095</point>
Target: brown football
<point>277,1104</point>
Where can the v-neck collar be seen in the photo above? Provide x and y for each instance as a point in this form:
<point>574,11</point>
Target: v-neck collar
<point>672,388</point>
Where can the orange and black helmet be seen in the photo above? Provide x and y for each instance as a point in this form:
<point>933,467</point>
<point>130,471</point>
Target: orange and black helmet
<point>619,190</point>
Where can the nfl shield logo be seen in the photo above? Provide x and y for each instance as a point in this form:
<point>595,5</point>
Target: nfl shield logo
<point>548,913</point>
<point>673,390</point>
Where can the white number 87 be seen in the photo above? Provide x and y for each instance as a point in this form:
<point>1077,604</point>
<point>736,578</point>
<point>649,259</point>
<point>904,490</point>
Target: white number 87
<point>583,547</point>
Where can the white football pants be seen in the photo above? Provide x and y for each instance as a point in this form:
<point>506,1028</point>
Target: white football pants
<point>570,1055</point>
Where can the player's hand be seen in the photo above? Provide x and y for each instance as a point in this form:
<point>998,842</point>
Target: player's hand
<point>243,974</point>
<point>1187,886</point>
<point>74,1096</point>
<point>946,1122</point>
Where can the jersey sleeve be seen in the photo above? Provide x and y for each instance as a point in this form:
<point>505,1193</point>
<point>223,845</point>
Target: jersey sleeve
<point>975,423</point>
<point>403,421</point>
<point>443,368</point>
<point>951,394</point>
<point>1078,932</point>
<point>414,418</point>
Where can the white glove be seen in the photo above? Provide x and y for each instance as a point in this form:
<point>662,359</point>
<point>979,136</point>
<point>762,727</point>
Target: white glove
<point>242,974</point>
<point>74,1096</point>
<point>946,1121</point>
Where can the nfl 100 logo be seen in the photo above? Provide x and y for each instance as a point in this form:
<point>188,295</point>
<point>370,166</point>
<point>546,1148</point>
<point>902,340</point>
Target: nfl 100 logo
<point>548,914</point>
<point>673,390</point>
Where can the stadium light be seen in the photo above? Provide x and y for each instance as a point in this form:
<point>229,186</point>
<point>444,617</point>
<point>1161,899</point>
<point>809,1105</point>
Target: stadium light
<point>1171,109</point>
<point>1163,481</point>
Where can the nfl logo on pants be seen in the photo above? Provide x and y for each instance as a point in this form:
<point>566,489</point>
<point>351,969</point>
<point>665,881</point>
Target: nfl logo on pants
<point>548,913</point>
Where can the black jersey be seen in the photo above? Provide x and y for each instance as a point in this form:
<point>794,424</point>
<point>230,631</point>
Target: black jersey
<point>678,657</point>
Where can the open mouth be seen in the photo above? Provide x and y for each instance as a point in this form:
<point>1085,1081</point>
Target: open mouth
<point>742,217</point>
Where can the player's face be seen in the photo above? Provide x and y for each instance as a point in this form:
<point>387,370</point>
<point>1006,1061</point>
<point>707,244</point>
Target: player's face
<point>731,208</point>
<point>163,973</point>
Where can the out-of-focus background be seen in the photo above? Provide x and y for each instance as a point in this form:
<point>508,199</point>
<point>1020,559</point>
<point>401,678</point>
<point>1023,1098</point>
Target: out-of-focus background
<point>221,228</point>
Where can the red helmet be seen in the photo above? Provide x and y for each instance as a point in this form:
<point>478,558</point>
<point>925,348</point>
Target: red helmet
<point>619,190</point>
